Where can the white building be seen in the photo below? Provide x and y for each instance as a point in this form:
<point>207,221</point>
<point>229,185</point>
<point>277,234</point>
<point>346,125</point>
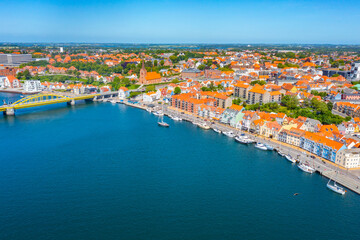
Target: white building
<point>355,71</point>
<point>61,49</point>
<point>348,158</point>
<point>151,96</point>
<point>2,81</point>
<point>123,92</point>
<point>32,86</point>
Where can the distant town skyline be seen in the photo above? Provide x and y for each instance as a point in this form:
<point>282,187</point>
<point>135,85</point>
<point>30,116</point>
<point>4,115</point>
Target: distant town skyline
<point>212,21</point>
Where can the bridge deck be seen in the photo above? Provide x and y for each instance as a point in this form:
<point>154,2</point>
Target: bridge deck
<point>28,104</point>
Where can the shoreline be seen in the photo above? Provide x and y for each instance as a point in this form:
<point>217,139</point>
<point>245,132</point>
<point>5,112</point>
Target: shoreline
<point>323,167</point>
<point>16,91</point>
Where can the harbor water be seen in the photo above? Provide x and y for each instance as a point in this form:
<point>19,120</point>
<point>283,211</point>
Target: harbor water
<point>108,171</point>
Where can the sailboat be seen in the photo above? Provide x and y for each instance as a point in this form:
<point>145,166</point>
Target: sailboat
<point>335,188</point>
<point>161,121</point>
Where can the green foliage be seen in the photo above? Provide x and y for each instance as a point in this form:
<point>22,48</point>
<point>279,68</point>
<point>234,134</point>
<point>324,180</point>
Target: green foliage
<point>236,101</point>
<point>175,80</point>
<point>291,102</point>
<point>330,105</point>
<point>150,88</point>
<point>316,93</point>
<point>177,90</point>
<point>262,82</point>
<point>134,94</point>
<point>201,67</point>
<point>335,75</point>
<point>270,107</point>
<point>253,107</point>
<point>41,63</point>
<point>24,75</point>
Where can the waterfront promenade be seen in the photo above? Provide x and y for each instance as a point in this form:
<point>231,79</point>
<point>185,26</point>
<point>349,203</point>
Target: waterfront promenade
<point>345,177</point>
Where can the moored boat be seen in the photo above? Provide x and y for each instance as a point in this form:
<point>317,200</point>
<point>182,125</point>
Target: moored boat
<point>260,146</point>
<point>217,130</point>
<point>281,153</point>
<point>203,126</point>
<point>229,134</point>
<point>269,147</point>
<point>335,188</point>
<point>159,113</point>
<point>175,118</point>
<point>241,139</point>
<point>306,168</point>
<point>290,158</point>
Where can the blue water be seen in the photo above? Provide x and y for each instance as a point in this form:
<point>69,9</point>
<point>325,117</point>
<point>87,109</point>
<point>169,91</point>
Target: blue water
<point>105,171</point>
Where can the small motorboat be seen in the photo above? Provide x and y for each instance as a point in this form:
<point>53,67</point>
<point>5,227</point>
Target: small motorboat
<point>306,168</point>
<point>241,139</point>
<point>175,118</point>
<point>335,188</point>
<point>159,113</point>
<point>260,146</point>
<point>248,140</point>
<point>149,110</point>
<point>229,134</point>
<point>290,158</point>
<point>217,130</point>
<point>203,126</point>
<point>281,153</point>
<point>269,147</point>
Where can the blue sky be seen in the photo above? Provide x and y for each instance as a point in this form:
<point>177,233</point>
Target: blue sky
<point>182,21</point>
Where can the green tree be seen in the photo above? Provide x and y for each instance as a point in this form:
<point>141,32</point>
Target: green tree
<point>177,90</point>
<point>201,67</point>
<point>291,102</point>
<point>330,105</point>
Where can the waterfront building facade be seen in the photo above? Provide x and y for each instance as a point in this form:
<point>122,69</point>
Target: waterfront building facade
<point>32,86</point>
<point>348,158</point>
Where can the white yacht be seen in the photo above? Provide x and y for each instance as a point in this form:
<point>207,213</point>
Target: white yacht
<point>281,153</point>
<point>241,139</point>
<point>175,118</point>
<point>269,147</point>
<point>149,110</point>
<point>260,146</point>
<point>217,130</point>
<point>306,167</point>
<point>290,158</point>
<point>249,140</point>
<point>229,134</point>
<point>203,126</point>
<point>159,113</point>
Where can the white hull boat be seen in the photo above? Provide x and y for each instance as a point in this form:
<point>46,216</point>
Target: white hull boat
<point>217,130</point>
<point>241,139</point>
<point>159,113</point>
<point>229,134</point>
<point>163,124</point>
<point>306,168</point>
<point>290,158</point>
<point>203,126</point>
<point>335,188</point>
<point>281,153</point>
<point>261,146</point>
<point>175,118</point>
<point>269,147</point>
